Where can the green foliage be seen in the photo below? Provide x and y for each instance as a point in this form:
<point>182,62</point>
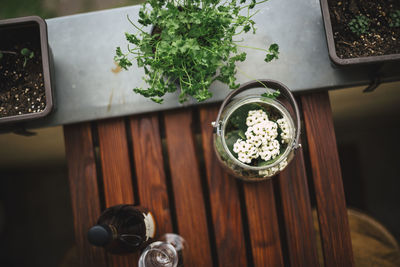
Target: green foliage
<point>237,126</point>
<point>272,95</point>
<point>28,54</point>
<point>359,25</point>
<point>25,52</point>
<point>231,138</point>
<point>272,53</point>
<point>395,18</point>
<point>192,46</point>
<point>238,118</point>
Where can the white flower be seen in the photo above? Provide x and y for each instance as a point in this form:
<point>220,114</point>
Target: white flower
<point>250,121</point>
<point>261,137</point>
<point>244,158</point>
<point>239,146</point>
<point>268,172</point>
<point>283,164</point>
<point>253,152</point>
<point>285,135</point>
<point>255,117</point>
<point>274,153</point>
<point>249,133</point>
<point>275,144</point>
<point>265,155</point>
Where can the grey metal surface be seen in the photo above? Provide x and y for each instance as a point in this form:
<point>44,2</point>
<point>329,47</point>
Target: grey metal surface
<point>87,89</point>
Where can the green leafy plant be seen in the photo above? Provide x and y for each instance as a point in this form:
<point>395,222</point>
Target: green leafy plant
<point>192,45</point>
<point>359,25</point>
<point>273,95</point>
<point>28,54</point>
<point>395,18</point>
<point>25,52</point>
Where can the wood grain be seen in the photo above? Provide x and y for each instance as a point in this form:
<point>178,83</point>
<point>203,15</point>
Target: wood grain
<point>117,178</point>
<point>263,223</point>
<point>84,191</point>
<point>224,198</point>
<point>186,183</point>
<point>151,180</point>
<point>296,209</point>
<point>115,165</point>
<point>332,214</point>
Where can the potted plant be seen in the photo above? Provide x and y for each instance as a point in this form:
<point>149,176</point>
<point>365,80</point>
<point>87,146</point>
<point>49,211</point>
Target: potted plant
<point>192,44</point>
<point>360,32</point>
<point>25,83</point>
<point>255,136</point>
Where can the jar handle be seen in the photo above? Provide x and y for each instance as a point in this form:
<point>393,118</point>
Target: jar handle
<point>270,84</point>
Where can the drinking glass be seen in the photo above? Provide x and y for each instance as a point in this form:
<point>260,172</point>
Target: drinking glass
<point>167,252</point>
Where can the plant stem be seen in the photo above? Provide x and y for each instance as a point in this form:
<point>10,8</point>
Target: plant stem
<point>257,3</point>
<point>251,47</point>
<point>134,25</point>
<point>250,77</point>
<point>187,74</point>
<point>8,52</point>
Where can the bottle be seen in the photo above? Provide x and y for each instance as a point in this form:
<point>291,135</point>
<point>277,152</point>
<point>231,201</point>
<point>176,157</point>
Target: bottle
<point>123,229</point>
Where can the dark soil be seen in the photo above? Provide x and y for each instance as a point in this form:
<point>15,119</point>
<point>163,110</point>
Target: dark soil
<point>21,87</point>
<point>381,39</point>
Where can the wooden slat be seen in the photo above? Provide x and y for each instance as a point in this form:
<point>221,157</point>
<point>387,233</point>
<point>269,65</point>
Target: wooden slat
<point>84,191</point>
<point>117,178</point>
<point>300,234</point>
<point>327,179</point>
<point>224,198</point>
<point>263,223</point>
<point>115,163</point>
<point>189,199</point>
<point>151,180</point>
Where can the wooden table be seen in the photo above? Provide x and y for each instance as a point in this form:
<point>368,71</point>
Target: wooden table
<point>166,162</point>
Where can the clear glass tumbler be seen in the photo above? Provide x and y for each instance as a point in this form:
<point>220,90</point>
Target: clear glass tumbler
<point>167,252</point>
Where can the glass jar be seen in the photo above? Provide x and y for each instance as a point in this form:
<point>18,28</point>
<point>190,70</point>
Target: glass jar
<point>282,111</point>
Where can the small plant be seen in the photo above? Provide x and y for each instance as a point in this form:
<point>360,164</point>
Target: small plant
<point>260,140</point>
<point>192,45</point>
<point>257,134</point>
<point>359,25</point>
<point>395,18</point>
<point>25,52</point>
<point>28,54</point>
<point>273,95</point>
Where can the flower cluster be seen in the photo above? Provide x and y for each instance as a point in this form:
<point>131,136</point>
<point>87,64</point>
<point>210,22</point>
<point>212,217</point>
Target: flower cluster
<point>260,140</point>
<point>285,135</point>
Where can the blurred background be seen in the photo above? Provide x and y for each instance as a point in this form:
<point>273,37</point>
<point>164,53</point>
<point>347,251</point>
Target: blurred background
<point>35,209</point>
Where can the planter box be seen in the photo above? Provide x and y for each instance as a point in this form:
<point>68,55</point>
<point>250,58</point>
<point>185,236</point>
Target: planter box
<point>25,85</point>
<point>332,49</point>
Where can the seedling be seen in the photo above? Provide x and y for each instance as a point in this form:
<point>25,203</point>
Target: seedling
<point>395,18</point>
<point>359,25</point>
<point>272,95</point>
<point>28,54</point>
<point>25,52</point>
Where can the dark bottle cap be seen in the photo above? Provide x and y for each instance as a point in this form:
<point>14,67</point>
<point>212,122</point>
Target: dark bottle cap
<point>99,235</point>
